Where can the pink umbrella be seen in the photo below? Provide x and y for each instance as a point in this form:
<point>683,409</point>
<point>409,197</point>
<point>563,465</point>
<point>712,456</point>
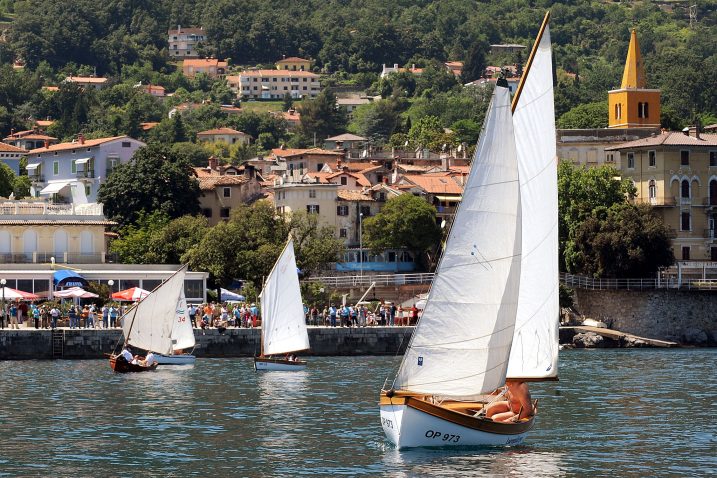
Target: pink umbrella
<point>74,292</point>
<point>133,293</point>
<point>12,294</point>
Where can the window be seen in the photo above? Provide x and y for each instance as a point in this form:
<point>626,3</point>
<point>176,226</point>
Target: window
<point>227,192</point>
<point>319,167</point>
<point>55,168</point>
<point>685,219</point>
<point>713,159</point>
<point>312,208</point>
<point>652,158</point>
<point>610,158</point>
<point>207,212</point>
<point>343,233</point>
<point>312,193</point>
<point>618,111</point>
<point>342,210</point>
<point>74,151</point>
<point>652,189</point>
<point>684,158</point>
<point>642,110</point>
<point>381,196</point>
<point>685,253</point>
<point>685,189</point>
<point>630,160</point>
<point>194,288</point>
<point>88,189</point>
<point>366,211</point>
<point>224,212</point>
<point>344,180</point>
<point>73,167</point>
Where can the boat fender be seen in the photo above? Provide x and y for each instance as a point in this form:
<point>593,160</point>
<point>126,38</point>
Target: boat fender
<point>390,393</point>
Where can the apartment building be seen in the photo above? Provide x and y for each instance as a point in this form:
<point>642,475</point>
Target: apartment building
<point>274,84</point>
<point>183,42</point>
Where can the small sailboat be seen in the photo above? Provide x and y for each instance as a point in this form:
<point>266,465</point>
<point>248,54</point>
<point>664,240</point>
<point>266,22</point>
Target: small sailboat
<point>182,337</point>
<point>491,313</point>
<point>148,324</point>
<point>283,325</point>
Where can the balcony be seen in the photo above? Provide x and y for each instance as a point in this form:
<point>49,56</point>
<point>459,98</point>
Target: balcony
<point>42,208</point>
<point>82,174</point>
<point>709,234</point>
<point>37,178</point>
<point>666,201</point>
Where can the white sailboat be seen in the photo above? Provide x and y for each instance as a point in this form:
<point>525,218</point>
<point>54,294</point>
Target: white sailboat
<point>461,350</point>
<point>283,325</point>
<point>182,337</point>
<point>148,324</point>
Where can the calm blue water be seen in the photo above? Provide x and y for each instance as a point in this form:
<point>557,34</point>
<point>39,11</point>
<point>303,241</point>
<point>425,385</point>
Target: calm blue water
<point>614,412</point>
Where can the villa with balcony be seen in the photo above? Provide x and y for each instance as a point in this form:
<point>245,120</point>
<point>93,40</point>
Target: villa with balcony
<point>73,172</point>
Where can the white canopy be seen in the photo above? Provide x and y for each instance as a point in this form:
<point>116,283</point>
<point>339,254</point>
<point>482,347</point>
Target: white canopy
<point>55,187</point>
<point>82,160</point>
<point>75,293</point>
<point>461,345</point>
<point>282,312</point>
<point>32,166</point>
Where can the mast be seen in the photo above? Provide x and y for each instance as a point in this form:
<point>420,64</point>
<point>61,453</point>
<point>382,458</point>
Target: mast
<point>526,70</point>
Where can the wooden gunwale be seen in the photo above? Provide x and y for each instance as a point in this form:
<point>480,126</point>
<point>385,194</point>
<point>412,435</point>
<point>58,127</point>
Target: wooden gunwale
<point>447,412</point>
<point>125,367</point>
<point>279,361</point>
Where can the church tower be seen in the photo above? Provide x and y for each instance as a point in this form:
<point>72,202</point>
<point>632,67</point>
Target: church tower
<point>633,105</point>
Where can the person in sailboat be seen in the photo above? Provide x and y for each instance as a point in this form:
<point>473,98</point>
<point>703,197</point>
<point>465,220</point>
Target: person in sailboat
<point>518,405</point>
<point>127,355</point>
<point>148,361</point>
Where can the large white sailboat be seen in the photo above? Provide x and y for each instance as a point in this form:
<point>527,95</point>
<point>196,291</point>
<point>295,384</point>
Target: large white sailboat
<point>182,337</point>
<point>148,324</point>
<point>283,325</point>
<point>486,317</point>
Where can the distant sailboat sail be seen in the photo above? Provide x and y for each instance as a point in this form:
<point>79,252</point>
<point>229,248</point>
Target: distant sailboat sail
<point>461,345</point>
<point>534,354</point>
<point>282,312</point>
<point>149,324</point>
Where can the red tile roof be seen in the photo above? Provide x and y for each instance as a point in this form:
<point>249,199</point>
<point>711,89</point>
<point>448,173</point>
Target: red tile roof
<point>435,184</point>
<point>203,63</point>
<point>287,153</point>
<point>285,73</point>
<point>360,178</point>
<point>293,59</point>
<point>8,148</point>
<point>217,131</point>
<point>76,145</point>
<point>209,183</point>
<point>86,79</point>
<point>669,139</point>
<point>353,195</point>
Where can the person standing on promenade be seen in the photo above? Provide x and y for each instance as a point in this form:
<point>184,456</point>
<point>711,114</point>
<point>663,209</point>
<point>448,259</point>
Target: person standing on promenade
<point>36,315</point>
<point>44,317</point>
<point>21,313</point>
<point>85,316</point>
<point>332,315</point>
<point>3,315</point>
<point>13,316</point>
<point>55,314</point>
<point>91,313</point>
<point>192,311</point>
<point>72,315</point>
<point>113,316</point>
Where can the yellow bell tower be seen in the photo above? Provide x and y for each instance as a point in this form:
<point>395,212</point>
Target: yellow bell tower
<point>633,105</point>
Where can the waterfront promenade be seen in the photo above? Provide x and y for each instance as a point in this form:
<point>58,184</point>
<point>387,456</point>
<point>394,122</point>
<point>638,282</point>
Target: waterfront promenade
<point>66,343</point>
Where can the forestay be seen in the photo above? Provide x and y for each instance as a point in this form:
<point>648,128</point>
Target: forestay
<point>182,330</point>
<point>461,345</point>
<point>535,346</point>
<point>282,312</point>
<point>148,325</point>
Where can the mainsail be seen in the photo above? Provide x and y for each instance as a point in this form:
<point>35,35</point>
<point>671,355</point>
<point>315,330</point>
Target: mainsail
<point>461,345</point>
<point>534,354</point>
<point>148,325</point>
<point>282,312</point>
<point>182,330</point>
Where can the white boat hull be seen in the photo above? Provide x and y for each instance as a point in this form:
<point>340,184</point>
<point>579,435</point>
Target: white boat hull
<point>183,359</point>
<point>263,364</point>
<point>407,427</point>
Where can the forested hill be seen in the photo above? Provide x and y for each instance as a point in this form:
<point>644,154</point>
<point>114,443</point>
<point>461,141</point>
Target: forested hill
<point>354,36</point>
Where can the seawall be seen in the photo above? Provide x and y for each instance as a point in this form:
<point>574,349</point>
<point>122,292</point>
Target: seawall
<point>687,317</point>
<point>91,343</point>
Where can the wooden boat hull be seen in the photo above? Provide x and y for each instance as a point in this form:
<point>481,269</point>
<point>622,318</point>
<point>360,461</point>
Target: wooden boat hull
<point>412,421</point>
<point>182,359</point>
<point>268,364</point>
<point>120,365</point>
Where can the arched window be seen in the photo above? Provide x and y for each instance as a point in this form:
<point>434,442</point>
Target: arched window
<point>60,238</point>
<point>29,243</point>
<point>713,192</point>
<point>685,189</point>
<point>652,189</point>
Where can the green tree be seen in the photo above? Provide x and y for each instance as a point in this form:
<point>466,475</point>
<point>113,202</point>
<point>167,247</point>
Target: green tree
<point>132,245</point>
<point>406,221</point>
<point>475,63</point>
<point>321,117</point>
<point>622,241</point>
<point>376,120</point>
<point>155,179</point>
<point>315,243</point>
<point>585,116</point>
<point>7,180</point>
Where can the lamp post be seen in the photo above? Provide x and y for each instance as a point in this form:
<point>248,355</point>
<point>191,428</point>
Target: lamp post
<point>361,246</point>
<point>109,283</point>
<point>2,284</point>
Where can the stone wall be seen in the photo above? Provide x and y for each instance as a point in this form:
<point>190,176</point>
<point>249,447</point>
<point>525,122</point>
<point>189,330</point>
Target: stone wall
<point>687,317</point>
<point>90,344</point>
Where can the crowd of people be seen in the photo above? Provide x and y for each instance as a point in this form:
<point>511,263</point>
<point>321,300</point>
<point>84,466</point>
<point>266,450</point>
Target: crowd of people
<point>14,314</point>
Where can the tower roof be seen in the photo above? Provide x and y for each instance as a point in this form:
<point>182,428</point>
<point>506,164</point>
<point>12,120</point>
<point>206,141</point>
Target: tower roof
<point>634,74</point>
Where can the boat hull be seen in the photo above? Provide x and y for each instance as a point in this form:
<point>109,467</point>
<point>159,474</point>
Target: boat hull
<point>410,422</point>
<point>120,365</point>
<point>182,359</point>
<point>268,364</point>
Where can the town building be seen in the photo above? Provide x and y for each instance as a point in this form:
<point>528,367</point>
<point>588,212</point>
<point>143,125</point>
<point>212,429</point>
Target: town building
<point>223,188</point>
<point>345,141</point>
<point>442,190</point>
<point>224,135</point>
<point>676,173</point>
<point>88,82</point>
<point>157,91</point>
<point>11,156</point>
<point>350,103</point>
<point>73,172</point>
<point>274,84</point>
<point>387,70</point>
<point>30,139</point>
<point>455,67</point>
<point>633,105</point>
<point>211,67</point>
<point>587,147</point>
<point>293,64</point>
<point>292,118</point>
<point>183,42</point>
<point>297,162</point>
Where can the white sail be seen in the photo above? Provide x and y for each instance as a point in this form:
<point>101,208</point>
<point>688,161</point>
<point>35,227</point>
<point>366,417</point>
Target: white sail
<point>148,325</point>
<point>461,345</point>
<point>182,330</point>
<point>282,312</point>
<point>535,345</point>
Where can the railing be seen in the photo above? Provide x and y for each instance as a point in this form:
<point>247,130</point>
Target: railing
<point>583,282</point>
<point>57,257</point>
<point>657,201</point>
<point>23,208</point>
<point>90,173</point>
<point>709,233</point>
<point>379,279</point>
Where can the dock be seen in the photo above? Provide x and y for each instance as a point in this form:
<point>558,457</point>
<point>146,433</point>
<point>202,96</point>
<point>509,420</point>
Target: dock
<point>618,336</point>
